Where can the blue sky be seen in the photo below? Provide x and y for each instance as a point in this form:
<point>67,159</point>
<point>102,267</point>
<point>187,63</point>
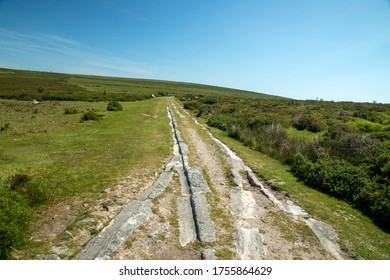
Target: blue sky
<point>303,49</point>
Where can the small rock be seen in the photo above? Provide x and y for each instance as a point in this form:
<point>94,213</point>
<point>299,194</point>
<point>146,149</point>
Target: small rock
<point>35,102</point>
<point>208,254</point>
<point>60,250</point>
<point>69,234</point>
<point>86,221</point>
<point>99,226</point>
<point>85,205</point>
<point>47,257</point>
<point>107,190</point>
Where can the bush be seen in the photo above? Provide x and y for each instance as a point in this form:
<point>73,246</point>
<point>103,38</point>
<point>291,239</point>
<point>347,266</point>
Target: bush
<point>70,111</point>
<point>218,122</point>
<point>354,147</point>
<point>308,122</point>
<point>91,116</point>
<point>351,183</point>
<point>367,126</point>
<point>114,106</point>
<point>209,101</point>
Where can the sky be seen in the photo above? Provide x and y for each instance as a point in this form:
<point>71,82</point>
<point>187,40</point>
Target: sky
<point>303,49</point>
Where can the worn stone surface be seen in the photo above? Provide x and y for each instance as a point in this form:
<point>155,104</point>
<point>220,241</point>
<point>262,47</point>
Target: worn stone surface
<point>47,257</point>
<point>158,187</point>
<point>197,183</point>
<point>203,223</point>
<point>120,236</point>
<point>186,221</point>
<point>195,207</point>
<point>95,245</point>
<point>249,244</point>
<point>287,207</point>
<point>327,236</point>
<point>158,229</point>
<point>208,254</point>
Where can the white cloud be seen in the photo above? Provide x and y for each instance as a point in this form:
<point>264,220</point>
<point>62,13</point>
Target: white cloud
<point>63,55</point>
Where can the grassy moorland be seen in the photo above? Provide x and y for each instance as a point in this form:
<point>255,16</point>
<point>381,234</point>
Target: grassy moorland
<point>28,85</point>
<point>333,158</point>
<point>48,155</point>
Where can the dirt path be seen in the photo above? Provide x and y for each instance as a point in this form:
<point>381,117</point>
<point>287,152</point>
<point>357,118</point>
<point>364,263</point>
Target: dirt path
<point>204,204</point>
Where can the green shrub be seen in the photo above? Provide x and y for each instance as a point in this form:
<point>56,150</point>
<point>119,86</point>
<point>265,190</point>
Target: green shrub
<point>335,131</point>
<point>114,106</point>
<point>218,121</point>
<point>351,183</point>
<point>70,111</point>
<point>191,105</point>
<point>308,122</point>
<point>209,100</point>
<point>353,147</point>
<point>91,116</point>
<point>367,115</point>
<point>367,126</point>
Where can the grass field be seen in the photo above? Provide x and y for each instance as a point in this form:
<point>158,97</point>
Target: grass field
<point>63,157</point>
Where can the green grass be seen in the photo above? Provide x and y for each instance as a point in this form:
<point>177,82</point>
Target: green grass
<point>65,157</point>
<point>359,237</point>
<point>28,85</point>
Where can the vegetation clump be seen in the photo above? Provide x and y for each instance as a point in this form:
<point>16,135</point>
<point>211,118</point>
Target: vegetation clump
<point>19,194</point>
<point>4,127</point>
<point>114,106</point>
<point>308,122</point>
<point>91,116</point>
<point>70,111</point>
<point>342,149</point>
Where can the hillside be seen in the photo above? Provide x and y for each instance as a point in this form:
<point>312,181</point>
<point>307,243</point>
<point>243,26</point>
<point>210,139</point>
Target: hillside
<point>28,85</point>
